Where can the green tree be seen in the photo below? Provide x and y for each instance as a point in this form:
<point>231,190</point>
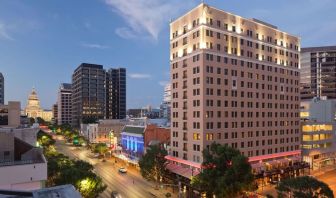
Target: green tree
<point>304,187</point>
<point>44,139</point>
<point>91,186</point>
<point>62,170</point>
<point>101,148</point>
<point>153,163</point>
<point>226,172</point>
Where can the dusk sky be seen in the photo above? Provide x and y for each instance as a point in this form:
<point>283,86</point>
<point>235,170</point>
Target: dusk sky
<point>42,42</point>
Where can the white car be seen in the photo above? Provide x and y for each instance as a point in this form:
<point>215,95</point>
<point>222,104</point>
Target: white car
<point>96,155</point>
<point>122,170</point>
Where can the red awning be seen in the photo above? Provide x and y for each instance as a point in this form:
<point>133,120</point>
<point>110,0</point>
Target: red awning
<point>185,172</point>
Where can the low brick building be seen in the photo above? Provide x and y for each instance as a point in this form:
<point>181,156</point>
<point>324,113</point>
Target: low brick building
<point>156,134</point>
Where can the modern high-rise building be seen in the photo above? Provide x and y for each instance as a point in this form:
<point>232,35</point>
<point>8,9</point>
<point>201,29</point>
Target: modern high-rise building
<point>318,74</point>
<point>55,113</point>
<point>235,81</point>
<point>64,104</point>
<point>88,93</point>
<point>165,107</point>
<point>2,89</point>
<point>116,93</point>
<point>318,137</point>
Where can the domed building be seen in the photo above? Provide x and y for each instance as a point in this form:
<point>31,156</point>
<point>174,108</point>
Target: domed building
<point>34,110</point>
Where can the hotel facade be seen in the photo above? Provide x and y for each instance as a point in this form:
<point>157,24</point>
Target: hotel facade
<point>235,81</point>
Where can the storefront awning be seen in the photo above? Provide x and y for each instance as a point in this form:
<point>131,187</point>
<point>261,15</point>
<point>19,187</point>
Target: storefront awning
<point>179,170</point>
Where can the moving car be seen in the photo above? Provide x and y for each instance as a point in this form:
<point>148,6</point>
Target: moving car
<point>122,170</point>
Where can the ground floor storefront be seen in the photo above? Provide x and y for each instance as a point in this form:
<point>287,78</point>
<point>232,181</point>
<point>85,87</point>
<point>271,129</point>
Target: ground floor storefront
<point>319,161</point>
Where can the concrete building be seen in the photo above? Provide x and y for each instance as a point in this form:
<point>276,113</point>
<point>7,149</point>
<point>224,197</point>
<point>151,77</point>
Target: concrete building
<point>55,113</point>
<point>64,191</point>
<point>90,132</point>
<point>165,107</point>
<point>147,111</point>
<point>318,132</point>
<point>10,114</point>
<point>105,131</point>
<point>116,93</point>
<point>88,93</point>
<point>235,81</point>
<point>64,104</point>
<point>2,89</point>
<point>318,74</point>
<point>22,166</point>
<point>34,110</point>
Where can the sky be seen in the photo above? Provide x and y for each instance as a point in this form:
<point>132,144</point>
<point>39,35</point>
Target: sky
<point>43,41</point>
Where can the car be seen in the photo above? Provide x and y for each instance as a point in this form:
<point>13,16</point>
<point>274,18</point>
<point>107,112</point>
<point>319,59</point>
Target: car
<point>115,194</point>
<point>96,155</point>
<point>122,170</point>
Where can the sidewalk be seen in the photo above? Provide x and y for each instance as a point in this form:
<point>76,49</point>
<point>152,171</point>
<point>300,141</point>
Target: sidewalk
<point>322,171</point>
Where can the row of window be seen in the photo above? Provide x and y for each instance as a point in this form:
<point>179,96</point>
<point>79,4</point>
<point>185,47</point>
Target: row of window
<point>233,28</point>
<point>249,153</point>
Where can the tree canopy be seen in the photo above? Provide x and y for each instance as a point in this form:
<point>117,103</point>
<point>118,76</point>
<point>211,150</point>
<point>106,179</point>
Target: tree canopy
<point>153,163</point>
<point>101,148</point>
<point>62,170</point>
<point>304,187</point>
<point>226,172</point>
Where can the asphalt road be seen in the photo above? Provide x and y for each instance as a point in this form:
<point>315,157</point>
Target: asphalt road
<point>115,181</point>
<point>330,179</point>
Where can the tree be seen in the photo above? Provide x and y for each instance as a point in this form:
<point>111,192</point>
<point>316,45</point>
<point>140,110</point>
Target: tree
<point>44,139</point>
<point>101,148</point>
<point>153,163</point>
<point>304,187</point>
<point>226,172</point>
<point>62,170</point>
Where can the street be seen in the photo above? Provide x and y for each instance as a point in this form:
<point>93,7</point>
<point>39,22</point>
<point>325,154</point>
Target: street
<point>115,181</point>
<point>330,179</point>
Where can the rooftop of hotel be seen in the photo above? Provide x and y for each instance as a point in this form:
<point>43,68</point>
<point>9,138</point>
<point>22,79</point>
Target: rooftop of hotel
<point>318,49</point>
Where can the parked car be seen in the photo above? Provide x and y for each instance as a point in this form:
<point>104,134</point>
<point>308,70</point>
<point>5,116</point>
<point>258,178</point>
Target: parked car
<point>122,170</point>
<point>115,194</point>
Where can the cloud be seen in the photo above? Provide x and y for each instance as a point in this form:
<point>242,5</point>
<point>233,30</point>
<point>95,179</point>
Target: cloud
<point>139,76</point>
<point>95,46</point>
<point>125,33</point>
<point>4,32</point>
<point>163,83</point>
<point>147,16</point>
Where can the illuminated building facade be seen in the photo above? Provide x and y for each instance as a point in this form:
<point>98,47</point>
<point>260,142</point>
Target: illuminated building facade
<point>235,81</point>
<point>64,105</point>
<point>318,137</point>
<point>88,93</point>
<point>34,110</point>
<point>318,74</point>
